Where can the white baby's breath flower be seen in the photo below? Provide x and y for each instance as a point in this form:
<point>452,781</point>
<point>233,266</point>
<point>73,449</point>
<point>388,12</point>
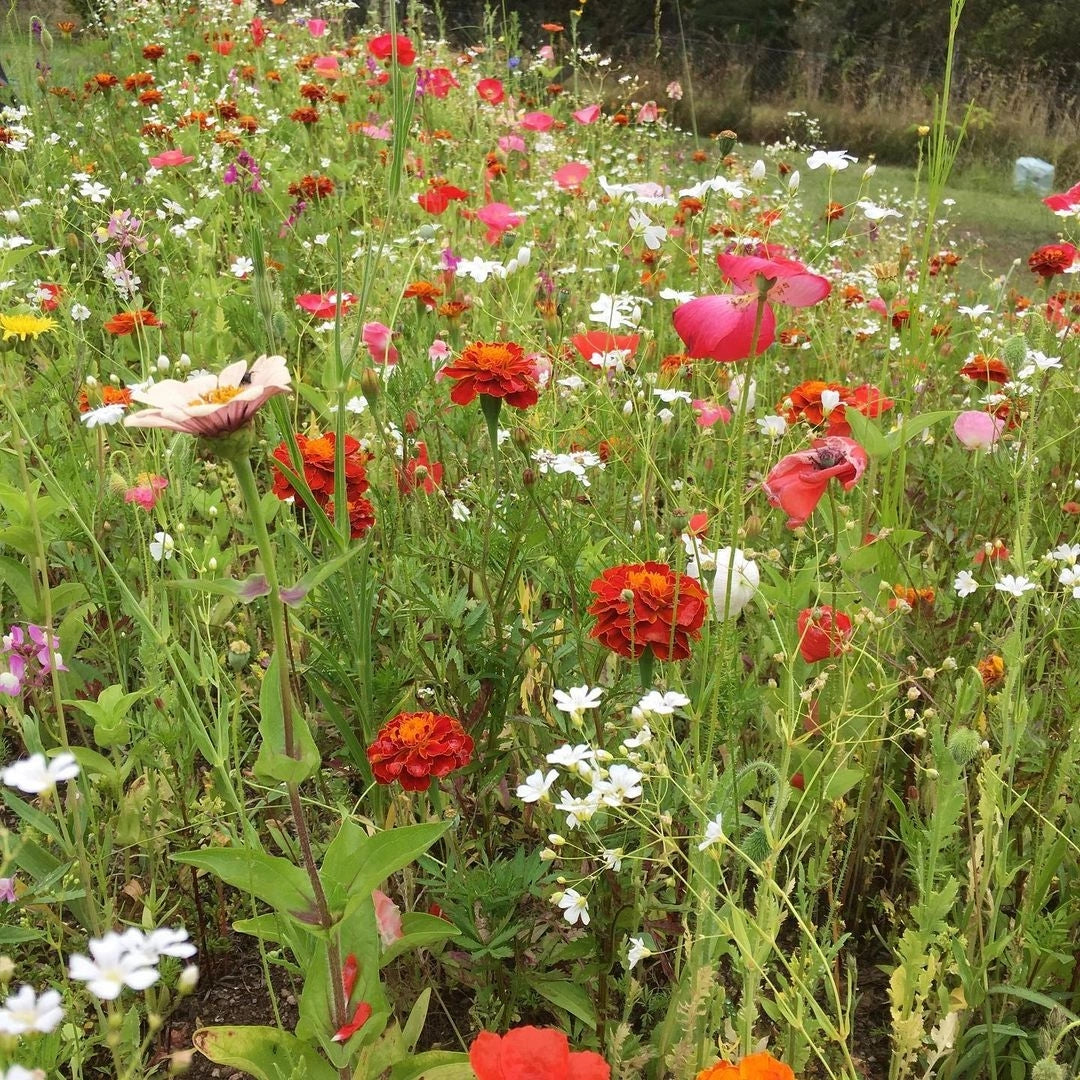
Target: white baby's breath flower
<point>578,699</point>
<point>536,785</point>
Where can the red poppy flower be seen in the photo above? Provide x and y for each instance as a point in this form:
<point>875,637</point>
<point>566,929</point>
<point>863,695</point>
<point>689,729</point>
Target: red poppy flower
<point>988,369</point>
<point>596,344</point>
<point>325,305</point>
<point>643,606</point>
<point>439,196</point>
<point>491,91</point>
<point>394,47</point>
<point>420,472</point>
<point>798,481</point>
<point>536,1053</point>
<point>497,369</point>
<point>823,633</point>
<point>49,295</point>
<point>127,322</point>
<point>414,747</point>
<point>1052,259</point>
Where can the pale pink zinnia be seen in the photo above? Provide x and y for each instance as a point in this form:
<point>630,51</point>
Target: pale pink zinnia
<point>212,405</point>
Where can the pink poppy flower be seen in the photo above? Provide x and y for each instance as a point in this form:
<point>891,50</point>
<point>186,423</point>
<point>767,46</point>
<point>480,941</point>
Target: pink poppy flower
<point>377,337</point>
<point>438,351</point>
<point>721,327</point>
<point>649,113</point>
<point>1067,203</point>
<point>387,918</point>
<point>571,176</point>
<point>546,54</point>
<point>316,27</point>
<point>325,305</point>
<point>537,121</point>
<point>978,430</point>
<point>212,405</point>
<point>798,481</point>
<point>327,66</point>
<point>147,491</point>
<point>168,158</point>
<point>499,218</point>
<point>508,143</point>
<point>794,285</point>
<point>708,412</point>
<point>587,115</point>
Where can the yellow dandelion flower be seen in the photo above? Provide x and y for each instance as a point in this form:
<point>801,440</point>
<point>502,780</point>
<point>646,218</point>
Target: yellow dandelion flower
<point>25,326</point>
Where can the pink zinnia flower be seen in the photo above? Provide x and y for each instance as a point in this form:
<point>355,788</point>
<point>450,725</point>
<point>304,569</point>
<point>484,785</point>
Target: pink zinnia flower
<point>212,405</point>
<point>168,158</point>
<point>316,27</point>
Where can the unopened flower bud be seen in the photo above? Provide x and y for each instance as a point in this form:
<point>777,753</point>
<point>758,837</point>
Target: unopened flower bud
<point>521,438</point>
<point>189,979</point>
<point>528,477</point>
<point>369,385</point>
<point>7,970</point>
<point>239,655</point>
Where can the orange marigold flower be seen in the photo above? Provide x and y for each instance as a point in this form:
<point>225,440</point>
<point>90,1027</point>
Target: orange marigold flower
<point>105,80</point>
<point>643,606</point>
<point>247,124</point>
<point>193,58</point>
<point>155,131</point>
<point>307,114</point>
<point>699,156</point>
<point>127,322</point>
<point>761,1066</point>
<point>312,187</point>
<point>988,369</point>
<point>103,395</point>
<point>454,309</point>
<point>424,292</point>
<point>151,97</point>
<point>494,369</point>
<point>673,363</point>
<point>313,92</point>
<point>139,80</point>
<point>912,597</point>
<point>414,747</point>
<point>992,669</point>
<point>153,52</point>
<point>834,211</point>
<point>227,110</point>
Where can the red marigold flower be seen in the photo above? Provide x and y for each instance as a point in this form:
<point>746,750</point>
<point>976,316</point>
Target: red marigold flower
<point>360,512</point>
<point>414,747</point>
<point>823,633</point>
<point>538,1053</point>
<point>319,467</point>
<point>1052,259</point>
<point>497,369</point>
<point>306,114</point>
<point>643,606</point>
<point>798,481</point>
<point>988,369</point>
<point>126,322</point>
<point>394,47</point>
<point>312,187</point>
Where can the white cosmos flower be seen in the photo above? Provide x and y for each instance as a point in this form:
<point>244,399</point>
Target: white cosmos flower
<point>574,907</point>
<point>25,1012</point>
<point>111,966</point>
<point>833,160</point>
<point>1015,586</point>
<point>35,776</point>
<point>965,583</point>
<point>636,950</point>
<point>536,785</point>
<point>714,833</point>
<point>103,416</point>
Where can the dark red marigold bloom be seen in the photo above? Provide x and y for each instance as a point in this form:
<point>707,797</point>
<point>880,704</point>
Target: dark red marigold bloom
<point>414,747</point>
<point>497,369</point>
<point>823,633</point>
<point>988,369</point>
<point>1052,259</point>
<point>643,606</point>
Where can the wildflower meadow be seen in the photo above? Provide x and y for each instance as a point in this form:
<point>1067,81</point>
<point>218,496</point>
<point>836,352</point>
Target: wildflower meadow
<point>496,586</point>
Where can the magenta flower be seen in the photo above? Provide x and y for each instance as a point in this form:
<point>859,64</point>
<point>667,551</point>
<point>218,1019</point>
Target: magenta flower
<point>798,481</point>
<point>538,121</point>
<point>147,491</point>
<point>377,337</point>
<point>793,284</point>
<point>571,176</point>
<point>499,218</point>
<point>721,327</point>
<point>316,27</point>
<point>978,430</point>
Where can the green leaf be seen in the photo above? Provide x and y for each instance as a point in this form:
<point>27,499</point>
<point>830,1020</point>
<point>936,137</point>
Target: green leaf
<point>434,1065</point>
<point>569,996</point>
<point>264,927</point>
<point>841,782</point>
<point>273,763</point>
<point>867,434</point>
<point>275,881</point>
<point>267,1053</point>
<point>418,931</point>
<point>916,425</point>
<point>414,1026</point>
<point>356,864</point>
<point>1036,998</point>
<point>16,935</point>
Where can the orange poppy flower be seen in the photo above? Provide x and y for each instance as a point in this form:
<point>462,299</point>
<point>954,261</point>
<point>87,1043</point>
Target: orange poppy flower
<point>552,27</point>
<point>762,1066</point>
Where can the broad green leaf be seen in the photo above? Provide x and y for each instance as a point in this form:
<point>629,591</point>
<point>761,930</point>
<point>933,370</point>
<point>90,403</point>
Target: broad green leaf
<point>841,782</point>
<point>569,996</point>
<point>434,1065</point>
<point>16,935</point>
<point>916,425</point>
<point>418,931</point>
<point>265,927</point>
<point>356,864</point>
<point>868,434</point>
<point>1036,998</point>
<point>414,1026</point>
<point>275,881</point>
<point>273,763</point>
<point>266,1053</point>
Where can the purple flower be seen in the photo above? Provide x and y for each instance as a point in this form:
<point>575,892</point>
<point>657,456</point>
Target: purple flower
<point>7,889</point>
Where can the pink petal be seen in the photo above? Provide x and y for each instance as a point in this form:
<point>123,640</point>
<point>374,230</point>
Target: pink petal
<point>588,115</point>
<point>722,327</point>
<point>387,918</point>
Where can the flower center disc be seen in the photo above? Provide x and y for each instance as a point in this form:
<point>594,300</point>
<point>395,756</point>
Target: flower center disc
<point>219,396</point>
<point>415,729</point>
